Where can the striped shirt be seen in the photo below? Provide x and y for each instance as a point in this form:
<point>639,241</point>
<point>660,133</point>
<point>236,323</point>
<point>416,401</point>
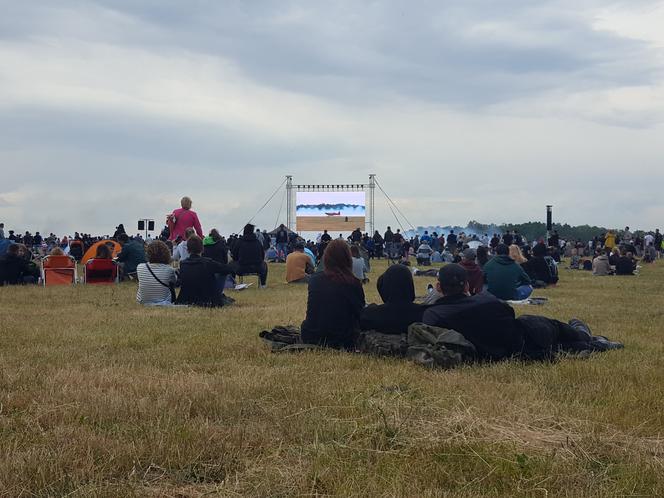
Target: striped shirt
<point>149,290</point>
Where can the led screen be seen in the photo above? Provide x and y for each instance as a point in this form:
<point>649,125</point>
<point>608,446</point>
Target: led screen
<point>332,211</point>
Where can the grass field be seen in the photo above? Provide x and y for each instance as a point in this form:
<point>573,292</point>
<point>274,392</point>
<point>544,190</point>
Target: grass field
<point>102,397</point>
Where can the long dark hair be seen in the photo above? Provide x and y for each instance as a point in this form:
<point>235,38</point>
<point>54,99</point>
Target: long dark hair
<point>339,263</point>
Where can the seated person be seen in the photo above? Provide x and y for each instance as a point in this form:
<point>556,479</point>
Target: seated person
<point>516,254</point>
<point>249,255</point>
<point>475,274</point>
<point>101,267</point>
<point>14,270</point>
<point>335,301</point>
<point>215,248</point>
<point>614,256</point>
<point>601,265</point>
<point>424,253</point>
<point>131,255</point>
<point>359,265</point>
<point>180,252</point>
<point>271,255</point>
<point>626,265</point>
<point>575,263</point>
<point>505,278</point>
<point>156,278</point>
<point>540,267</point>
<point>491,326</point>
<point>198,281</point>
<point>397,290</point>
<point>436,257</point>
<point>298,265</point>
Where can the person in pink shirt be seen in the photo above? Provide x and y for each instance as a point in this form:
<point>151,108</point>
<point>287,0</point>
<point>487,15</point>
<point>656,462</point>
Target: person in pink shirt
<point>183,218</point>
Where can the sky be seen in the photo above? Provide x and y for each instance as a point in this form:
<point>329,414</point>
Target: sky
<point>112,110</point>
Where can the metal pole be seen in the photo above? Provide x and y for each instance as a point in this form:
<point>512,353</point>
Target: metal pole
<point>372,190</point>
<point>549,222</point>
<point>289,201</point>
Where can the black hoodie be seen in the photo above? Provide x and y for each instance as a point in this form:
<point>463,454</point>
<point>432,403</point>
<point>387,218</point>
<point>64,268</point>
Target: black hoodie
<point>248,251</point>
<point>397,290</point>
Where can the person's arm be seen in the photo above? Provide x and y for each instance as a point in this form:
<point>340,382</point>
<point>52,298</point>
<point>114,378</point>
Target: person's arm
<point>221,268</point>
<point>309,268</point>
<point>197,226</point>
<point>122,255</point>
<point>524,279</point>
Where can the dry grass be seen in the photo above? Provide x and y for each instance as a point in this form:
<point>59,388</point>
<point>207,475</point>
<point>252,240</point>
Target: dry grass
<point>102,397</point>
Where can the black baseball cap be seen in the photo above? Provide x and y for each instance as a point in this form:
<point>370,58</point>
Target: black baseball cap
<point>452,277</point>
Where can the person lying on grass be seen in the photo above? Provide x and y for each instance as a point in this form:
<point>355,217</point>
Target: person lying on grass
<point>335,301</point>
<point>490,324</point>
<point>397,290</point>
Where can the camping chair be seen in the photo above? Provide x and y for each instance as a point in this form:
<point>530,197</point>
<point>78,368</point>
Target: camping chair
<point>100,271</point>
<point>394,253</point>
<point>58,270</point>
<point>240,277</point>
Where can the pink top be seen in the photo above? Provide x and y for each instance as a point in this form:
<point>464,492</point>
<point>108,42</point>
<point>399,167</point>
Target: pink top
<point>185,218</point>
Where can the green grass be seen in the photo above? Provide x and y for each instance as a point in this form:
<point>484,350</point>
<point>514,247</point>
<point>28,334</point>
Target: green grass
<point>100,396</point>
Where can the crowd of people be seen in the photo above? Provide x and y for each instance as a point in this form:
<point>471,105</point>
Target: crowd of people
<point>479,275</point>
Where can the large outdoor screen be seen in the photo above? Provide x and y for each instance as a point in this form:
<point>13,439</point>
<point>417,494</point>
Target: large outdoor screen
<point>332,211</point>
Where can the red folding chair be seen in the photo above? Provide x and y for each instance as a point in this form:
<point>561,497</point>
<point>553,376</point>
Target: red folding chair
<point>100,271</point>
<point>58,270</point>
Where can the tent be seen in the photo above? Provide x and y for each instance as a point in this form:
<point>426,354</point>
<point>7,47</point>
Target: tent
<point>90,253</point>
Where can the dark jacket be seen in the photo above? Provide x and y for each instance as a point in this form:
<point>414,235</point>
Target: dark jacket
<point>625,266</point>
<point>13,269</point>
<point>132,254</point>
<point>538,269</point>
<point>484,320</point>
<point>217,251</point>
<point>198,285</point>
<point>475,276</point>
<point>503,275</point>
<point>397,291</point>
<point>248,252</point>
<point>333,312</point>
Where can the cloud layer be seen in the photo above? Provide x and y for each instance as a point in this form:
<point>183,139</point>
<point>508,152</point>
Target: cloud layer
<point>112,110</point>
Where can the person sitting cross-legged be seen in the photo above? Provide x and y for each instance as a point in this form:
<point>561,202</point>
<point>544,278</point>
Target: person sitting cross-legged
<point>505,278</point>
<point>491,326</point>
<point>298,265</point>
<point>156,278</point>
<point>198,281</point>
<point>249,255</point>
<point>335,301</point>
<point>397,290</point>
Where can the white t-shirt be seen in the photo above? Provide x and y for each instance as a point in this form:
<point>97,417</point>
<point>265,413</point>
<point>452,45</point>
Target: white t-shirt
<point>649,240</point>
<point>149,290</point>
<point>180,253</point>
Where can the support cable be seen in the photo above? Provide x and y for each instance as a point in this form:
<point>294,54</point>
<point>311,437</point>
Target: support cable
<point>283,198</point>
<point>394,204</point>
<point>268,201</point>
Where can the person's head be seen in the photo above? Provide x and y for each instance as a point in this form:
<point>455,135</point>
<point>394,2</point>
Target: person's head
<point>629,254</point>
<point>123,238</point>
<point>195,245</point>
<point>468,255</point>
<point>324,231</point>
<point>185,202</point>
<point>338,263</point>
<point>12,250</point>
<point>158,252</point>
<point>626,229</point>
<point>502,250</point>
<point>615,251</point>
<point>103,252</point>
<point>539,250</point>
<point>214,235</point>
<point>482,254</point>
<point>189,232</point>
<point>56,251</point>
<point>396,285</point>
<point>248,230</point>
<point>299,247</point>
<point>355,251</point>
<point>389,229</point>
<point>452,280</point>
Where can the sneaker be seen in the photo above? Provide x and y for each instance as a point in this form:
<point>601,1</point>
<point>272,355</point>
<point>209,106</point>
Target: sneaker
<point>262,286</point>
<point>429,289</point>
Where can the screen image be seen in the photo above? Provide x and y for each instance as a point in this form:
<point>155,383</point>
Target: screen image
<point>332,211</point>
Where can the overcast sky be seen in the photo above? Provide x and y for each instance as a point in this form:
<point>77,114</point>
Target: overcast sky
<point>111,110</point>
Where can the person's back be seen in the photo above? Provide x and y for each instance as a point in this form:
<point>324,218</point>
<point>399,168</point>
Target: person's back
<point>215,249</point>
<point>625,266</point>
<point>601,266</point>
<point>504,277</point>
<point>184,218</point>
<point>249,251</point>
<point>131,255</point>
<point>359,268</point>
<point>198,281</point>
<point>538,269</point>
<point>298,265</point>
<point>153,291</point>
<point>13,268</point>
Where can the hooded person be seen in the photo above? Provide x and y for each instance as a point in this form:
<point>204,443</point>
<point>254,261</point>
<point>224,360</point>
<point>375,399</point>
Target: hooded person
<point>505,278</point>
<point>475,274</point>
<point>249,255</point>
<point>397,290</point>
<point>215,248</point>
<point>538,269</point>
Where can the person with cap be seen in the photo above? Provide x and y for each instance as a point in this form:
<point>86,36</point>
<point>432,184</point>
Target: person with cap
<point>491,325</point>
<point>473,270</point>
<point>397,290</point>
<point>505,278</point>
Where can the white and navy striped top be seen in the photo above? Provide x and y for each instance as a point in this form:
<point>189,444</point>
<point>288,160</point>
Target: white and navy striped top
<point>151,291</point>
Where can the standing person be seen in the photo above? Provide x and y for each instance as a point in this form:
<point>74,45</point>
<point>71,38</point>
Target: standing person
<point>282,241</point>
<point>2,231</point>
<point>249,255</point>
<point>378,244</point>
<point>335,301</point>
<point>183,218</point>
<point>609,241</point>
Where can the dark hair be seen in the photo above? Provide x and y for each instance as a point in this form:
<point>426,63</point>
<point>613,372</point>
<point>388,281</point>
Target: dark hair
<point>482,255</point>
<point>539,249</point>
<point>123,238</point>
<point>502,250</point>
<point>338,263</point>
<point>103,252</point>
<point>12,249</point>
<point>214,235</point>
<point>355,251</point>
<point>194,245</point>
<point>158,252</point>
<point>248,229</point>
<point>299,246</point>
<point>452,279</point>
